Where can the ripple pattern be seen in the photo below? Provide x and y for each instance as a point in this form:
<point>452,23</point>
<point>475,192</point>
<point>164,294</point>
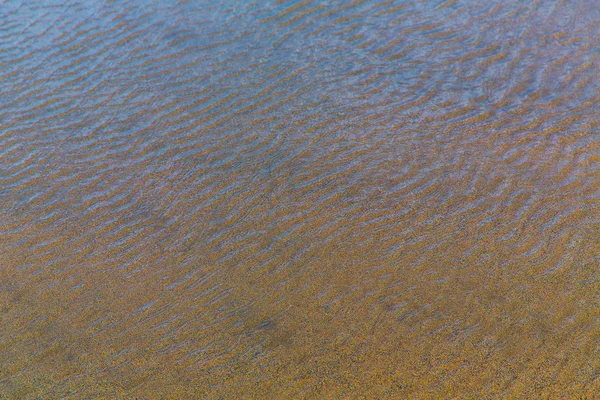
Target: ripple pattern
<point>299,199</point>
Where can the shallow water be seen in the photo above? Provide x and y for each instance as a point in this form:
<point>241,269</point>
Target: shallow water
<point>299,199</point>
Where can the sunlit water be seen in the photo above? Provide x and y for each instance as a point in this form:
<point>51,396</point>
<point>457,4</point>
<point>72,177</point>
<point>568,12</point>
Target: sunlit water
<point>299,199</point>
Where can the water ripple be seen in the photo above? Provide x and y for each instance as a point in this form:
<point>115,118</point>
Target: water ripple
<point>299,199</point>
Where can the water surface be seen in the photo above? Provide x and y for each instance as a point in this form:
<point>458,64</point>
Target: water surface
<point>299,199</point>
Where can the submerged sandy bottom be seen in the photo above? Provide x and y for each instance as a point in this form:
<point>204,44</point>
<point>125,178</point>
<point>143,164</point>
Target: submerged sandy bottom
<point>279,199</point>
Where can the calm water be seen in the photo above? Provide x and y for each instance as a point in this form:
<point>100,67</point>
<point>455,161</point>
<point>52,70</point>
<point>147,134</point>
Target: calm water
<point>299,199</point>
